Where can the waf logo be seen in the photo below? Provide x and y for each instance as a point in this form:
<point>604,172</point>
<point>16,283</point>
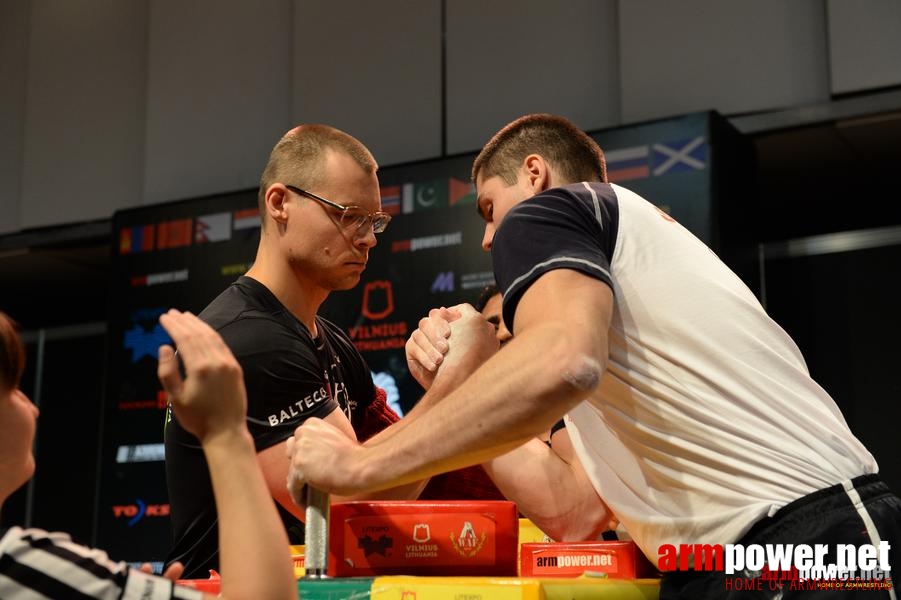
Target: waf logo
<point>408,595</point>
<point>468,544</point>
<point>378,300</point>
<point>137,511</point>
<point>421,533</point>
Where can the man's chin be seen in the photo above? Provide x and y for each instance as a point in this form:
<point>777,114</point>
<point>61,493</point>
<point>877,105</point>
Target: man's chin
<point>348,283</point>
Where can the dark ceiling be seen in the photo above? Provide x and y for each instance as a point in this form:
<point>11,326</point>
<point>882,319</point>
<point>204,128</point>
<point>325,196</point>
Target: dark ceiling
<point>56,276</point>
<point>837,176</point>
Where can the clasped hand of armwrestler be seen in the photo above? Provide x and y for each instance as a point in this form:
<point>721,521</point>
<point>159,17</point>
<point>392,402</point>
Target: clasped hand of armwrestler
<point>450,343</point>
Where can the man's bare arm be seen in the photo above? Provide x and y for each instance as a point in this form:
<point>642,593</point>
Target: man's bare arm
<point>275,465</point>
<point>553,492</point>
<point>555,360</point>
<point>547,482</point>
<point>443,326</point>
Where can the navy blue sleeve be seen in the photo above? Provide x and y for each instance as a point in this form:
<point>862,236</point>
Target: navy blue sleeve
<point>572,227</point>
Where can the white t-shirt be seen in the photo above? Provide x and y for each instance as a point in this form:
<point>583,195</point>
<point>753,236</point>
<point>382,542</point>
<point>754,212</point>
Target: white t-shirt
<point>706,419</point>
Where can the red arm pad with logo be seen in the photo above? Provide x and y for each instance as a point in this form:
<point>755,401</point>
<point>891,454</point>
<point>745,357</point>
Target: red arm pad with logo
<point>423,538</point>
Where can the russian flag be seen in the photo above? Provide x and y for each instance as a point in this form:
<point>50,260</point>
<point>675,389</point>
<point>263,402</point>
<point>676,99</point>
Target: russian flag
<point>627,163</point>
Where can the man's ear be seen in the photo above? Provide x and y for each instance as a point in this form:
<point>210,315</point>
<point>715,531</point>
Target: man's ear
<point>276,197</point>
<point>537,173</point>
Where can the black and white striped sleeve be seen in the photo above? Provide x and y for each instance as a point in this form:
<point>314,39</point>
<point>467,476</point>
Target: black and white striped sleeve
<point>38,564</point>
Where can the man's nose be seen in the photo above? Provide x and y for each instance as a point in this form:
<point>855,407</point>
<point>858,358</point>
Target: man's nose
<point>365,237</point>
<point>488,237</point>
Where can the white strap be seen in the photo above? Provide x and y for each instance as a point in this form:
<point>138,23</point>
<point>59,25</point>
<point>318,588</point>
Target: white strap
<point>867,520</point>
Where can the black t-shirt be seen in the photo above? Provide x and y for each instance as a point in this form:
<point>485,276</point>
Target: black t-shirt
<point>289,376</point>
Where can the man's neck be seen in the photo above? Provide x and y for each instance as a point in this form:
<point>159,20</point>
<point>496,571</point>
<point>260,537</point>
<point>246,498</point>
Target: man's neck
<point>301,302</point>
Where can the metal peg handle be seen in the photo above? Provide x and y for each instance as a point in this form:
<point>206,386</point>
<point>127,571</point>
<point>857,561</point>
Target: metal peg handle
<point>316,534</point>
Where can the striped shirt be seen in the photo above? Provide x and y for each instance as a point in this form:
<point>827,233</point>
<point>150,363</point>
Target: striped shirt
<point>37,565</point>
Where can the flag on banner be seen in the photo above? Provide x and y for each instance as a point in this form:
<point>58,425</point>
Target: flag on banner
<point>390,199</point>
<point>216,227</point>
<point>682,155</point>
<point>246,219</point>
<point>174,234</point>
<point>145,343</point>
<point>461,192</point>
<point>424,195</point>
<point>627,163</point>
<point>135,239</point>
<point>406,198</point>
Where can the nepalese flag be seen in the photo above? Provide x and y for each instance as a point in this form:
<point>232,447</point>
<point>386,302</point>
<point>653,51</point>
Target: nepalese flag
<point>681,155</point>
<point>627,163</point>
<point>390,199</point>
<point>174,234</point>
<point>135,239</point>
<point>424,195</point>
<point>216,227</point>
<point>460,192</point>
<point>248,218</point>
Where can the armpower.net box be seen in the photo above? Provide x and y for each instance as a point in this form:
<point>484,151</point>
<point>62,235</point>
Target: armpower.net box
<point>423,538</point>
<point>617,560</point>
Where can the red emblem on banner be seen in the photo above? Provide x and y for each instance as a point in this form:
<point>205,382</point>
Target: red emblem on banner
<point>378,300</point>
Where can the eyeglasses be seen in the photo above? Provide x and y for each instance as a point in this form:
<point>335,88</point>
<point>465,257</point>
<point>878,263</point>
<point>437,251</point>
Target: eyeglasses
<point>354,218</point>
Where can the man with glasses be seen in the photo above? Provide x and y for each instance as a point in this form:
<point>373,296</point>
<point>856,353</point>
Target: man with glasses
<point>320,211</point>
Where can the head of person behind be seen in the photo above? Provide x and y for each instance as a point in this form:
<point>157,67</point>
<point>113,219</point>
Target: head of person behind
<point>531,154</point>
<point>18,415</point>
<point>320,211</point>
<point>490,304</point>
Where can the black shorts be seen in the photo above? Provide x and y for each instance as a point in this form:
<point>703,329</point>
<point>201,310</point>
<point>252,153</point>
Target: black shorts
<point>827,516</point>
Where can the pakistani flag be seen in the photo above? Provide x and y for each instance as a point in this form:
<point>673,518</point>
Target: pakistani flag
<point>425,195</point>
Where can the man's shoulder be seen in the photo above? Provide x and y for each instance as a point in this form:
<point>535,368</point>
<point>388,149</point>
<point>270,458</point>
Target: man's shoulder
<point>254,328</point>
<point>581,192</point>
<point>570,206</point>
<point>331,328</point>
<point>338,339</point>
<point>242,301</point>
